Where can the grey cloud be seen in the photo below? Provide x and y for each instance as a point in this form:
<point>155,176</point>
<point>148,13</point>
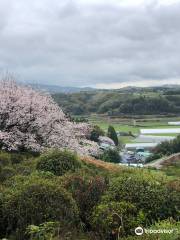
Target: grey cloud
<point>70,43</point>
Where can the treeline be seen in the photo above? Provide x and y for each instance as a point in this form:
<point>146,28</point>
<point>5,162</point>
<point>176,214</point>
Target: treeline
<point>115,103</point>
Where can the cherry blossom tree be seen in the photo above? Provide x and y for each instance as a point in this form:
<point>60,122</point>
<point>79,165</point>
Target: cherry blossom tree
<point>31,120</point>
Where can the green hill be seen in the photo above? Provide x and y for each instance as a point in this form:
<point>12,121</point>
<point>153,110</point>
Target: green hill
<point>130,101</point>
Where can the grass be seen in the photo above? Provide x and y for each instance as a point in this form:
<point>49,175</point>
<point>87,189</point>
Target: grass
<point>125,139</point>
<point>173,171</point>
<point>129,125</point>
<point>119,127</point>
<point>172,168</point>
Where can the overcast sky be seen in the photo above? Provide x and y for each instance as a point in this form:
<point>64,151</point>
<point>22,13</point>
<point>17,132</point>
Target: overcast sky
<point>98,43</point>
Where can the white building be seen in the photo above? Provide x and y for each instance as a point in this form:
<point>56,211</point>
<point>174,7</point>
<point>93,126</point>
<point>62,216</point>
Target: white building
<point>134,146</point>
<point>174,123</point>
<point>152,139</point>
<point>159,130</point>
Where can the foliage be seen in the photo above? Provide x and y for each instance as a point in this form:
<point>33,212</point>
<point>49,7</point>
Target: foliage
<point>6,173</point>
<point>78,119</point>
<point>130,102</point>
<point>114,219</point>
<point>113,135</point>
<point>111,155</point>
<point>150,196</point>
<point>17,158</point>
<point>87,192</point>
<point>44,231</point>
<point>58,162</point>
<point>37,203</point>
<point>168,147</point>
<point>170,225</point>
<point>146,105</point>
<point>98,201</point>
<point>95,133</point>
<point>153,157</point>
<point>5,158</point>
<point>172,169</point>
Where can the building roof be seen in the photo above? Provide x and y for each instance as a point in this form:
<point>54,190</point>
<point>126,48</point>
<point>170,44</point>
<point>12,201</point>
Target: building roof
<point>140,145</point>
<point>159,130</point>
<point>152,139</point>
<point>174,123</point>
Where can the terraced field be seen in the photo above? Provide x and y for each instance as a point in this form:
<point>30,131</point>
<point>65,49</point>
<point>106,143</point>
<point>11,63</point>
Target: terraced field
<point>133,126</point>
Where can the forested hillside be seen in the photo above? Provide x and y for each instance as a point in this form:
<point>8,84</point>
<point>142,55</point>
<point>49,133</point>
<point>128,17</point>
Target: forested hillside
<point>133,101</point>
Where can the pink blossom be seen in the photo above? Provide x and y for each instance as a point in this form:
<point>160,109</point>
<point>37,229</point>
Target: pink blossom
<point>31,120</point>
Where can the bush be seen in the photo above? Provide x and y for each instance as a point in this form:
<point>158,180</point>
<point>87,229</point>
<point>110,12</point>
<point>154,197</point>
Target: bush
<point>96,133</point>
<point>37,203</point>
<point>153,157</point>
<point>164,148</point>
<point>44,231</point>
<point>150,196</point>
<point>165,224</point>
<point>111,155</point>
<point>168,147</point>
<point>172,200</point>
<point>16,158</point>
<point>114,219</point>
<point>6,173</point>
<point>87,192</point>
<point>58,162</point>
<point>5,159</point>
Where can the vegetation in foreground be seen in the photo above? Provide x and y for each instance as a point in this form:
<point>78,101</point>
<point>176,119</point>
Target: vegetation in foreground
<point>59,195</point>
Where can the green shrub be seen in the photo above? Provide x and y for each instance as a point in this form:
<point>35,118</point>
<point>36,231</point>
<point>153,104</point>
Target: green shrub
<point>168,147</point>
<point>161,225</point>
<point>16,158</point>
<point>153,157</point>
<point>5,159</point>
<point>150,196</point>
<point>172,200</point>
<point>168,225</point>
<point>111,155</point>
<point>44,231</point>
<point>95,133</point>
<point>6,173</point>
<point>37,203</point>
<point>87,192</point>
<point>58,162</point>
<point>114,219</point>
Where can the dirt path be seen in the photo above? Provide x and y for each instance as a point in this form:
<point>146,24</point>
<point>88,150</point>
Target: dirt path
<point>158,164</point>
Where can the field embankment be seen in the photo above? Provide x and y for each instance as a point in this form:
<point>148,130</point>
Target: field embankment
<point>165,161</point>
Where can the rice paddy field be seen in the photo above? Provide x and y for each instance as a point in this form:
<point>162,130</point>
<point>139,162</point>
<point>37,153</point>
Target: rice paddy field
<point>134,125</point>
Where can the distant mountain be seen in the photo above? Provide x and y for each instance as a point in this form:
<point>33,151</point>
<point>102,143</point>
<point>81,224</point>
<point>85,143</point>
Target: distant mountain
<point>171,86</point>
<point>59,89</point>
<point>130,89</point>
